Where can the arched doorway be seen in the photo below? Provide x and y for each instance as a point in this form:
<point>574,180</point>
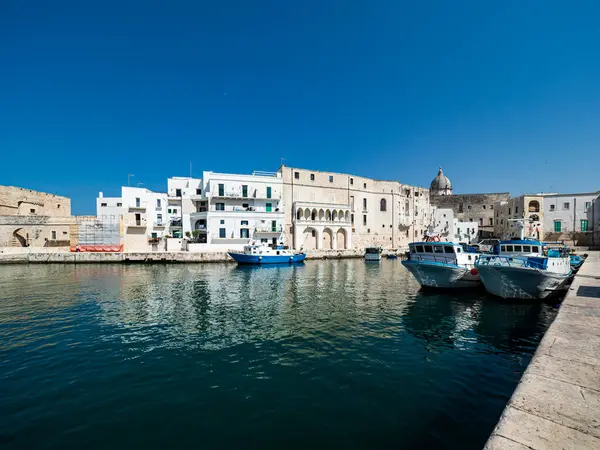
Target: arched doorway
<point>309,239</point>
<point>341,239</point>
<point>19,238</point>
<point>327,239</point>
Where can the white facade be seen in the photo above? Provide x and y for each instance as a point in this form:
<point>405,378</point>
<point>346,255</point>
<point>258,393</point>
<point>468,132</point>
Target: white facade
<point>566,213</point>
<point>183,195</point>
<point>450,229</point>
<point>109,206</point>
<point>236,209</point>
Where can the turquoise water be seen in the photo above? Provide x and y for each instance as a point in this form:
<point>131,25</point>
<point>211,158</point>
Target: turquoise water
<point>330,354</point>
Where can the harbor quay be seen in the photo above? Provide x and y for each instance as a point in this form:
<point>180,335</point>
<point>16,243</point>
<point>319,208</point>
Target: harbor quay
<point>556,405</point>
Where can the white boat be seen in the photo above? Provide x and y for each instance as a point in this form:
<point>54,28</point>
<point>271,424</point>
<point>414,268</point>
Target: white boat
<point>442,265</point>
<point>373,254</point>
<point>524,269</point>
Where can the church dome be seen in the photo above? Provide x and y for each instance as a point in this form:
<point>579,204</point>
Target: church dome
<point>441,184</point>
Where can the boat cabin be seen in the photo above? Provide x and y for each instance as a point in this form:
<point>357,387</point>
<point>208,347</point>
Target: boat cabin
<point>444,252</point>
<point>373,250</point>
<point>523,247</point>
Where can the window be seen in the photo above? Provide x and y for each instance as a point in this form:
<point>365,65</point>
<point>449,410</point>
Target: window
<point>244,233</point>
<point>269,207</point>
<point>503,248</point>
<point>331,178</point>
<point>471,220</point>
<point>364,219</point>
<point>169,210</point>
<point>587,206</point>
<point>312,177</point>
<point>137,202</point>
<point>244,190</point>
<point>222,233</point>
<point>491,206</point>
<point>103,205</point>
<point>268,191</point>
<point>428,249</point>
<point>198,191</point>
<point>351,180</point>
<point>382,205</point>
<point>220,206</point>
<point>158,204</point>
<point>557,226</point>
<point>58,206</point>
<point>364,203</point>
<point>483,206</point>
<point>566,206</point>
<point>297,175</point>
<point>448,249</point>
<point>54,235</point>
<point>468,206</point>
<point>518,248</point>
<point>419,249</point>
<point>534,249</point>
<point>501,221</point>
<point>509,211</point>
<point>119,204</point>
<point>175,211</point>
<point>364,185</point>
<point>159,218</point>
<point>177,192</point>
<point>509,248</point>
<point>244,222</point>
<point>154,235</point>
<point>551,207</point>
<point>314,233</point>
<point>382,226</point>
<point>516,210</point>
<point>491,221</point>
<point>584,225</point>
<point>438,249</point>
<point>245,205</point>
<point>221,190</point>
<point>222,222</point>
<point>481,221</point>
<point>458,230</point>
<point>458,250</point>
<point>460,208</point>
<point>527,249</point>
<point>352,218</point>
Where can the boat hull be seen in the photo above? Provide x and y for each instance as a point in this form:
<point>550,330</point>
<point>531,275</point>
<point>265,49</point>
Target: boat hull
<point>243,258</point>
<point>440,275</point>
<point>520,282</point>
<point>372,257</point>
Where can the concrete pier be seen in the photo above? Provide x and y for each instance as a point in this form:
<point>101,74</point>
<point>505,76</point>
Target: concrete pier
<point>556,405</point>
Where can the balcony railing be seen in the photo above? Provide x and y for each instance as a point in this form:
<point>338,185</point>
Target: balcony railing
<point>133,223</point>
<point>253,196</point>
<point>323,221</point>
<point>160,224</point>
<point>241,209</point>
<point>138,206</point>
<point>269,229</point>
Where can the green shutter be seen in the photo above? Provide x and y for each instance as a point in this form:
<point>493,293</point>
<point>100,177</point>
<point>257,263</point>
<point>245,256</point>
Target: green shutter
<point>584,225</point>
<point>557,226</point>
<point>268,191</point>
<point>269,207</point>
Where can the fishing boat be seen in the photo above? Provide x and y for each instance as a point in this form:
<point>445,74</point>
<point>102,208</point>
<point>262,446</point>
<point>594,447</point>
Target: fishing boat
<point>442,264</point>
<point>373,253</point>
<point>525,269</point>
<point>265,254</point>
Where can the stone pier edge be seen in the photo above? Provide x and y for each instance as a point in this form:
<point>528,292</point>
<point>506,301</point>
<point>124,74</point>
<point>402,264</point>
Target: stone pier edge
<point>556,404</point>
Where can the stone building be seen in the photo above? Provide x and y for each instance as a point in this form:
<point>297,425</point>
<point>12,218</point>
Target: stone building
<point>476,208</point>
<point>328,210</point>
<point>34,219</point>
<point>521,216</point>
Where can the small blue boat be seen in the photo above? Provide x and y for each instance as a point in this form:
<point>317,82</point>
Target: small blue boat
<point>576,262</point>
<point>263,254</point>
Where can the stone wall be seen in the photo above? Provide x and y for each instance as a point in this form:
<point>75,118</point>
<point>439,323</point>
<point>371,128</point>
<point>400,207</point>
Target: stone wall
<point>25,202</point>
<point>477,208</point>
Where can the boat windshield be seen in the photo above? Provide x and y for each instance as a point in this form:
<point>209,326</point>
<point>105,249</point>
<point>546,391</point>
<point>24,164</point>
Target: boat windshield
<point>372,250</point>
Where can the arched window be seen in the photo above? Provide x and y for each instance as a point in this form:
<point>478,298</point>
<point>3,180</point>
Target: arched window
<point>534,206</point>
<point>383,205</point>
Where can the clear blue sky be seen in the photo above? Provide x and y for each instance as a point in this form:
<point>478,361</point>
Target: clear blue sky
<point>504,95</point>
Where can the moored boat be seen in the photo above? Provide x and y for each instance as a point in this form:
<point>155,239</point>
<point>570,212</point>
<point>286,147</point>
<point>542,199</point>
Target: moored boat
<point>264,254</point>
<point>524,269</point>
<point>373,253</point>
<point>442,265</point>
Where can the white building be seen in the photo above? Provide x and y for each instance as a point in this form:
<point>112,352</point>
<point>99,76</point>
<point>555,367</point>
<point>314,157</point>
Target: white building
<point>450,229</point>
<point>572,217</point>
<point>184,198</point>
<point>143,216</point>
<point>231,210</point>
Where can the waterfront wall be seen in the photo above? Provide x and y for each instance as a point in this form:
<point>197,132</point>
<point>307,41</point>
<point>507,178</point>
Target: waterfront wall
<point>65,257</point>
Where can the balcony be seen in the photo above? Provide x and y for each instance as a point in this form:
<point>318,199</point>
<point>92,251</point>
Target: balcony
<point>136,223</point>
<point>269,230</point>
<point>250,209</point>
<point>159,224</point>
<point>254,196</point>
<point>138,207</point>
<point>197,197</point>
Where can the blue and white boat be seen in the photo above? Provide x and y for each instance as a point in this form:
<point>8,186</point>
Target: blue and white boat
<point>524,269</point>
<point>442,265</point>
<point>264,254</point>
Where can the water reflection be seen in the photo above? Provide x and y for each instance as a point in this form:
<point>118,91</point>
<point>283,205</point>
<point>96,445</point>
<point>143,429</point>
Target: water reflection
<point>343,349</point>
